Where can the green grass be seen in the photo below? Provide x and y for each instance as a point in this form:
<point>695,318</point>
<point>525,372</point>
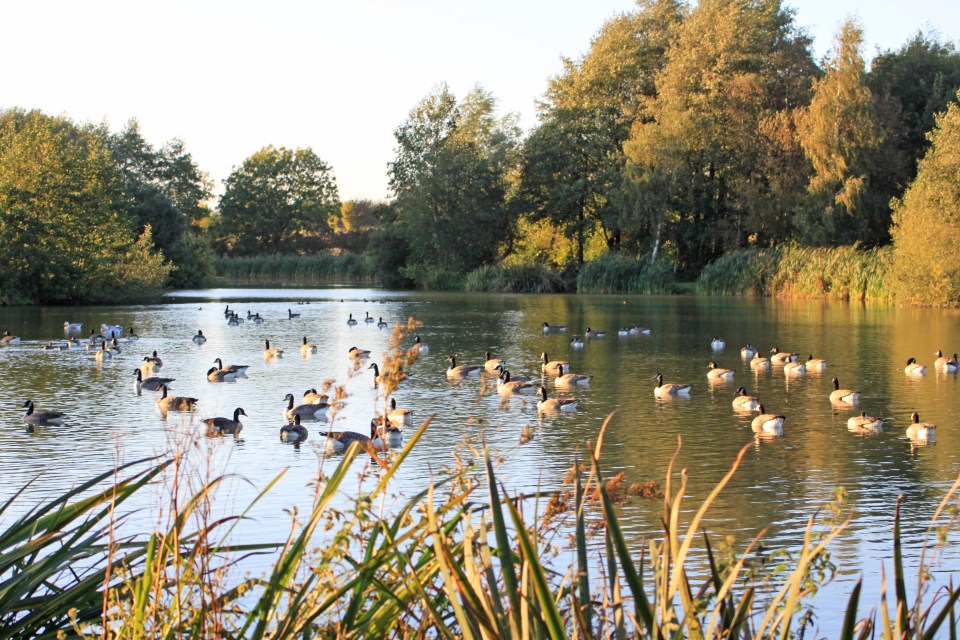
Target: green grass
<point>520,278</point>
<point>614,273</point>
<point>321,268</point>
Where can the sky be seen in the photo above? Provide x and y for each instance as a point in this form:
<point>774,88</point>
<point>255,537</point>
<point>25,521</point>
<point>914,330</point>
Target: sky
<point>230,77</point>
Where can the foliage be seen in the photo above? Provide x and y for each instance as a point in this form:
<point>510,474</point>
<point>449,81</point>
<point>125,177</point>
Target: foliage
<point>276,201</point>
<point>613,273</point>
<point>431,278</point>
<point>516,278</point>
<point>193,262</point>
<point>926,231</point>
<point>287,268</point>
<point>388,250</point>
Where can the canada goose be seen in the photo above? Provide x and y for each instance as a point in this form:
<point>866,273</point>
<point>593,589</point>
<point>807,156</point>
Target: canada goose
<point>150,384</point>
<point>670,389</point>
<point>506,385</point>
<point>56,346</point>
<point>513,378</point>
<point>419,347</point>
<point>114,346</point>
<point>639,331</point>
<point>72,327</point>
<point>865,424</point>
<point>576,342</point>
<point>553,328</point>
<point>310,396</point>
<point>794,368</point>
<point>9,339</point>
<point>199,338</point>
<point>914,369</point>
<point>219,375</point>
<point>455,372</point>
<point>92,338</point>
<point>591,333</point>
<point>951,365</point>
<point>339,441</point>
<point>148,367</point>
<point>940,361</point>
<point>843,396</point>
<point>743,402</point>
<point>257,319</point>
<point>385,435</point>
<point>368,318</point>
<point>111,330</point>
<point>718,344</point>
<point>492,364</point>
<point>291,315</point>
<point>716,373</point>
<point>378,378</point>
<point>748,352</point>
<point>104,353</point>
<point>131,335</point>
<point>305,411</point>
<point>623,332</point>
<point>398,416</point>
<point>174,403</point>
<point>227,312</point>
<point>350,321</point>
<point>553,405</point>
<point>154,360</point>
<point>240,370</point>
<point>781,357</point>
<point>307,348</point>
<point>381,324</point>
<point>767,423</point>
<point>271,354</point>
<point>922,431</point>
<point>356,354</point>
<point>549,366</point>
<point>225,426</point>
<point>41,417</point>
<point>570,379</point>
<point>759,362</point>
<point>233,320</point>
<point>295,432</point>
<point>815,364</point>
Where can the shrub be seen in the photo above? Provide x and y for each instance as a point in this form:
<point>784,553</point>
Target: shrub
<point>615,273</point>
<point>519,278</point>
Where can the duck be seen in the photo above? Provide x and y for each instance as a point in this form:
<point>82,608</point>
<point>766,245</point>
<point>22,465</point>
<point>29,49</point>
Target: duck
<point>743,402</point>
<point>576,342</point>
<point>291,315</point>
<point>759,362</point>
<point>131,335</point>
<point>748,351</point>
<point>340,441</point>
<point>815,364</point>
<point>865,424</point>
<point>219,375</point>
<point>151,383</point>
<point>914,369</point>
<point>72,327</point>
<point>549,366</point>
<point>307,348</point>
<point>570,379</point>
<point>419,347</point>
<point>174,403</point>
<point>351,321</point>
<point>767,423</point>
<point>843,396</point>
<point>356,354</point>
<point>41,417</point>
<point>455,372</point>
<point>716,373</point>
<point>718,344</point>
<point>239,370</point>
<point>492,364</point>
<point>305,411</point>
<point>225,426</point>
<point>380,378</point>
<point>794,368</point>
<point>554,328</point>
<point>310,396</point>
<point>381,324</point>
<point>554,405</point>
<point>271,353</point>
<point>922,431</point>
<point>506,385</point>
<point>295,432</point>
<point>9,339</point>
<point>781,357</point>
<point>199,338</point>
<point>594,333</point>
<point>105,353</point>
<point>670,389</point>
<point>369,318</point>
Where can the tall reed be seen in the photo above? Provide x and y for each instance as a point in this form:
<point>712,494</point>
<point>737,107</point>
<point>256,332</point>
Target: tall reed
<point>615,273</point>
<point>318,268</point>
<point>517,278</point>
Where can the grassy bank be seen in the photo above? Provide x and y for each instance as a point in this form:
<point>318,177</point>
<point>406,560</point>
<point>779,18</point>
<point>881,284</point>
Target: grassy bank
<point>321,268</point>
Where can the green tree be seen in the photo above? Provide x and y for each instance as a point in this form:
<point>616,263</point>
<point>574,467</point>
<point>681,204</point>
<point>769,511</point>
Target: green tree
<point>925,267</point>
<point>278,200</point>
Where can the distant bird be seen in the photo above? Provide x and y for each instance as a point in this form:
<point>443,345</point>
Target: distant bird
<point>743,402</point>
<point>368,318</point>
<point>420,348</point>
<point>154,360</point>
<point>310,396</point>
<point>502,370</point>
<point>950,366</point>
<point>356,354</point>
<point>492,364</point>
<point>72,327</point>
<point>553,328</point>
<point>914,369</point>
<point>815,364</point>
<point>9,339</point>
<point>781,357</point>
<point>549,366</point>
<point>594,333</point>
<point>937,364</point>
<point>131,335</point>
<point>639,331</point>
<point>843,396</point>
<point>307,348</point>
<point>291,315</point>
<point>305,411</point>
<point>767,423</point>
<point>455,372</point>
<point>150,384</point>
<point>555,405</point>
<point>570,379</point>
<point>399,417</point>
<point>381,324</point>
<point>293,432</point>
<point>385,435</point>
<point>271,353</point>
<point>716,373</point>
<point>41,417</point>
<point>671,389</point>
<point>105,353</point>
<point>350,321</point>
<point>378,378</point>
<point>240,370</point>
<point>922,431</point>
<point>748,351</point>
<point>759,362</point>
<point>576,342</point>
<point>794,368</point>
<point>506,385</point>
<point>339,441</point>
<point>623,332</point>
<point>199,338</point>
<point>718,344</point>
<point>865,424</point>
<point>174,403</point>
<point>225,426</point>
<point>219,375</point>
<point>111,330</point>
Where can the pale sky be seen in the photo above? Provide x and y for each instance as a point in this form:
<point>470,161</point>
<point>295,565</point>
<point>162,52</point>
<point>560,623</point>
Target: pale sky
<point>229,77</point>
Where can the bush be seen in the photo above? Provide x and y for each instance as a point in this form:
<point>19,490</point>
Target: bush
<point>520,278</point>
<point>192,257</point>
<point>387,251</point>
<point>615,273</point>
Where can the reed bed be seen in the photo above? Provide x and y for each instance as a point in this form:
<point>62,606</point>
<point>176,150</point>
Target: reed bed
<point>837,273</point>
<point>520,278</point>
<point>320,268</point>
<point>614,273</point>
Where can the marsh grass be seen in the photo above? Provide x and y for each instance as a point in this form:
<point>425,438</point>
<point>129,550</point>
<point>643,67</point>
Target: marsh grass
<point>518,278</point>
<point>614,273</point>
<point>321,268</point>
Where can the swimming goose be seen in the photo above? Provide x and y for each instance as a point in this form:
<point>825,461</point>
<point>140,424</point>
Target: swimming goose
<point>219,375</point>
<point>368,318</point>
<point>553,328</point>
<point>570,379</point>
<point>590,333</point>
<point>131,335</point>
<point>623,332</point>
<point>781,357</point>
<point>922,431</point>
<point>256,318</point>
<point>718,344</point>
<point>815,364</point>
<point>455,372</point>
<point>637,330</point>
<point>716,373</point>
<point>234,320</point>
<point>507,385</point>
<point>759,362</point>
<point>356,354</point>
<point>350,321</point>
<point>940,361</point>
<point>199,338</point>
<point>227,312</point>
<point>307,348</point>
<point>381,324</point>
<point>549,366</point>
<point>380,378</point>
<point>105,353</point>
<point>513,378</point>
<point>748,352</point>
<point>843,396</point>
<point>339,441</point>
<point>743,402</point>
<point>240,370</point>
<point>399,417</point>
<point>385,435</point>
<point>305,411</point>
<point>576,342</point>
<point>295,432</point>
<point>310,396</point>
<point>492,364</point>
<point>553,405</point>
<point>174,403</point>
<point>225,426</point>
<point>767,423</point>
<point>151,383</point>
<point>670,389</point>
<point>9,339</point>
<point>291,315</point>
<point>794,368</point>
<point>154,360</point>
<point>41,417</point>
<point>419,347</point>
<point>72,327</point>
<point>914,369</point>
<point>865,424</point>
<point>114,346</point>
<point>951,365</point>
<point>111,330</point>
<point>271,354</point>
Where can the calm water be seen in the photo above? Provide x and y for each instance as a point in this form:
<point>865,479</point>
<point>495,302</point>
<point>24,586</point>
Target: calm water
<point>779,485</point>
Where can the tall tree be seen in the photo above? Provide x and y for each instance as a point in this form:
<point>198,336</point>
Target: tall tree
<point>275,201</point>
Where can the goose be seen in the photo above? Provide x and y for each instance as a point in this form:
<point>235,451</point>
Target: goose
<point>381,324</point>
<point>512,377</point>
<point>150,384</point>
<point>716,373</point>
<point>794,368</point>
<point>379,378</point>
<point>219,375</point>
<point>554,328</point>
<point>843,396</point>
<point>41,417</point>
<point>111,330</point>
<point>591,333</point>
<point>670,389</point>
<point>350,321</point>
<point>310,396</point>
<point>865,424</point>
<point>781,357</point>
<point>148,367</point>
<point>114,346</point>
<point>92,338</point>
<point>492,364</point>
<point>951,365</point>
<point>227,312</point>
<point>388,435</point>
<point>225,426</point>
<point>940,361</point>
<point>295,432</point>
<point>455,372</point>
<point>743,402</point>
<point>748,352</point>
<point>131,335</point>
<point>398,416</point>
<point>758,362</point>
<point>767,423</point>
<point>9,339</point>
<point>154,360</point>
<point>356,354</point>
<point>914,369</point>
<point>815,364</point>
<point>72,327</point>
<point>305,411</point>
<point>923,431</point>
<point>271,354</point>
<point>368,318</point>
<point>257,319</point>
<point>718,344</point>
<point>639,331</point>
<point>291,315</point>
<point>576,342</point>
<point>339,441</point>
<point>570,379</point>
<point>56,346</point>
<point>105,353</point>
<point>554,405</point>
<point>233,320</point>
<point>507,385</point>
<point>240,370</point>
<point>307,348</point>
<point>199,338</point>
<point>623,332</point>
<point>174,403</point>
<point>419,347</point>
<point>549,366</point>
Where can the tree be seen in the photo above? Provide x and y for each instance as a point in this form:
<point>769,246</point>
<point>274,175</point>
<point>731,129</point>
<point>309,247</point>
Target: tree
<point>277,200</point>
<point>925,267</point>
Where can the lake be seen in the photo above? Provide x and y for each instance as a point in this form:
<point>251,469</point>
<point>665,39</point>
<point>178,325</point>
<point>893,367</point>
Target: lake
<point>780,484</point>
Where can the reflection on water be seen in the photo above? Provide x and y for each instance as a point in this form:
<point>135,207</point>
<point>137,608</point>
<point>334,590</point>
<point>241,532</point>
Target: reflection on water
<point>780,483</point>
